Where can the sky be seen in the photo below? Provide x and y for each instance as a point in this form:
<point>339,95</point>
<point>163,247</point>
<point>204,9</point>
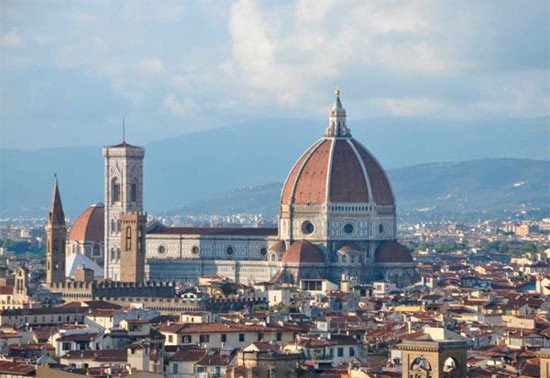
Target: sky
<point>71,69</point>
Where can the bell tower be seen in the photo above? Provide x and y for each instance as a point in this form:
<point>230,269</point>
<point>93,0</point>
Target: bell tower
<point>123,193</point>
<point>56,232</point>
<point>132,255</point>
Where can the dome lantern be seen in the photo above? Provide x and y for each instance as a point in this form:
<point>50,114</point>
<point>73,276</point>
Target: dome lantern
<point>337,119</point>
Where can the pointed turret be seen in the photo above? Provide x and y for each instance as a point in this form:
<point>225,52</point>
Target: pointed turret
<point>56,233</point>
<point>337,119</point>
<point>56,215</point>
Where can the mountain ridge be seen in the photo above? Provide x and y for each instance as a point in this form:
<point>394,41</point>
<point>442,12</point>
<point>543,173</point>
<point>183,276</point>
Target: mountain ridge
<point>200,165</point>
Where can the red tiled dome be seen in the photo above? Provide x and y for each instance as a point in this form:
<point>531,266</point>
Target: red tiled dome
<point>302,252</point>
<point>337,170</point>
<point>391,251</point>
<point>89,226</point>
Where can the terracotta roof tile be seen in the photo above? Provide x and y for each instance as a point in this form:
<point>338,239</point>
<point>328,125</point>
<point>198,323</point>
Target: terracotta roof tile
<point>89,226</point>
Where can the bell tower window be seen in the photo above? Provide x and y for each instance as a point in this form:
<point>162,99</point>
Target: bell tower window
<point>115,190</point>
<point>128,238</point>
<point>133,192</point>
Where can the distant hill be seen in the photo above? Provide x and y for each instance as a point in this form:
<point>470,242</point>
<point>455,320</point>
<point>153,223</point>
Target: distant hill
<point>451,188</point>
<point>185,169</point>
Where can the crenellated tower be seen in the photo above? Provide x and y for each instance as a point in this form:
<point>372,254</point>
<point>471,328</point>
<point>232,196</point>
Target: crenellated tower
<point>132,255</point>
<point>123,193</point>
<point>56,232</point>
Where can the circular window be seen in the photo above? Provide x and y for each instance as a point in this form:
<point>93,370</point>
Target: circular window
<point>161,249</point>
<point>348,228</point>
<point>195,250</point>
<point>263,251</point>
<point>307,228</point>
<point>381,228</point>
<point>229,250</point>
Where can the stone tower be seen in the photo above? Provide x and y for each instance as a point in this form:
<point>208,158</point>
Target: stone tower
<point>132,242</point>
<point>123,194</point>
<point>438,353</point>
<point>56,232</point>
<point>21,284</point>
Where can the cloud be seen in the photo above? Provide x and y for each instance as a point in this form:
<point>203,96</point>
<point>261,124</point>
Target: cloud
<point>219,62</point>
<point>11,39</point>
<point>176,105</point>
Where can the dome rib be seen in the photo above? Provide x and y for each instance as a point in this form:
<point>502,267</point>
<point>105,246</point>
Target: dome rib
<point>363,168</point>
<point>287,195</point>
<point>310,184</point>
<point>381,190</point>
<point>347,179</point>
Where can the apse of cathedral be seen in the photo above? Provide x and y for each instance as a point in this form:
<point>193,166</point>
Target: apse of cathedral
<point>337,219</point>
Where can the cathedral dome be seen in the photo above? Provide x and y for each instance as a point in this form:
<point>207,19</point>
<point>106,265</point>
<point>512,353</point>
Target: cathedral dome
<point>89,226</point>
<point>337,169</point>
<point>392,252</point>
<point>302,252</point>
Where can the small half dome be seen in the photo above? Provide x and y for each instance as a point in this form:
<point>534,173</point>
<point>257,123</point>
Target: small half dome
<point>349,247</point>
<point>303,252</point>
<point>391,251</point>
<point>89,226</point>
<point>280,246</point>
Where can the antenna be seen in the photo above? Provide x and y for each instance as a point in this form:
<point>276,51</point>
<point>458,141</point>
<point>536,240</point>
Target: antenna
<point>123,128</point>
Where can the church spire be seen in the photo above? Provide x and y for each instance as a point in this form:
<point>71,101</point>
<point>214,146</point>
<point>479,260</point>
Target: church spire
<point>337,119</point>
<point>56,215</point>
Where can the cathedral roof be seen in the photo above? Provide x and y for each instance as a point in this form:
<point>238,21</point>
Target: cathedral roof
<point>391,251</point>
<point>337,169</point>
<point>89,226</point>
<point>302,252</point>
<point>77,259</point>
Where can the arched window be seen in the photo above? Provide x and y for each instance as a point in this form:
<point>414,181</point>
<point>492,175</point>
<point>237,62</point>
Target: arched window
<point>115,190</point>
<point>113,254</point>
<point>449,365</point>
<point>133,192</point>
<point>118,253</point>
<point>128,238</point>
<point>113,226</point>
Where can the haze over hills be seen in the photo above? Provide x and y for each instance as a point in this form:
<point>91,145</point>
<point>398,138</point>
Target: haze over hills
<point>450,188</point>
<point>186,169</point>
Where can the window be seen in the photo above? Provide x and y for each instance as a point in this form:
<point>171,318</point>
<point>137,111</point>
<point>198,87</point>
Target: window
<point>223,337</point>
<point>133,192</point>
<point>95,249</point>
<point>161,249</point>
<point>186,339</point>
<point>279,336</point>
<point>175,368</point>
<point>263,251</point>
<point>170,338</point>
<point>115,190</point>
<point>351,351</point>
<point>204,338</point>
<point>348,228</point>
<point>260,336</point>
<point>128,238</point>
<point>340,352</point>
<point>381,228</point>
<point>66,346</point>
<point>229,250</point>
<point>195,250</point>
<point>241,337</point>
<point>307,228</point>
